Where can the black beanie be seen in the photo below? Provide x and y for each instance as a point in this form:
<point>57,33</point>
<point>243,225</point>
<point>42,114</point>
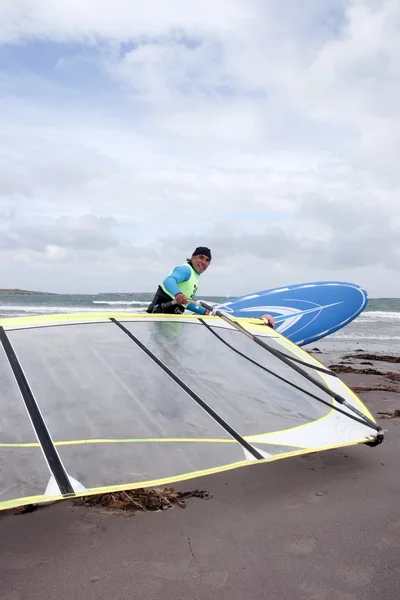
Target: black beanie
<point>202,250</point>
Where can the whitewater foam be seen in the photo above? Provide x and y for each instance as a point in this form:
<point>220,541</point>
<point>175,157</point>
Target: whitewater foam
<point>36,310</point>
<point>121,302</point>
<point>377,315</point>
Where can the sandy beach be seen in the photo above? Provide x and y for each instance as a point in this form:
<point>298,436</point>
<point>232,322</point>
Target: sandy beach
<point>325,526</point>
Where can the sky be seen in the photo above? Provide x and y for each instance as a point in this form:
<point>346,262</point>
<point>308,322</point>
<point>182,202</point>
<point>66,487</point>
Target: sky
<point>132,132</point>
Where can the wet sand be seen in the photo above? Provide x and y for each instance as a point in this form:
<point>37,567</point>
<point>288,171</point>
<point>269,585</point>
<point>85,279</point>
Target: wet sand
<point>325,526</point>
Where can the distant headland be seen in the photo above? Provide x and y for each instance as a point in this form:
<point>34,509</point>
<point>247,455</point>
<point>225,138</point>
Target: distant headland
<point>32,292</point>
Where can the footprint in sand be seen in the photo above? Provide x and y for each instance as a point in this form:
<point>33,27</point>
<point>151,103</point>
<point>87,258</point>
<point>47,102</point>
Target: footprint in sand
<point>312,498</point>
<point>357,575</point>
<point>182,572</point>
<point>387,543</point>
<point>15,562</point>
<point>316,591</point>
<point>302,547</point>
<point>82,526</point>
<point>316,496</point>
<point>296,505</point>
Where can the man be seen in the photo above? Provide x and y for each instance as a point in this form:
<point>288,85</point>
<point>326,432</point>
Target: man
<point>181,285</point>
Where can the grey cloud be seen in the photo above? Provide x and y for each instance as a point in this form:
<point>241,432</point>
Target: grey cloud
<point>7,241</point>
<point>366,246</point>
<point>49,161</point>
<point>137,253</point>
<point>348,212</point>
<point>273,244</point>
<point>87,232</point>
<point>12,184</point>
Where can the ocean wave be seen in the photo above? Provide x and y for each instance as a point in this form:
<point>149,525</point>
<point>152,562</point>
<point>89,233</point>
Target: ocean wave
<point>5,311</point>
<point>121,302</point>
<point>363,337</point>
<point>378,315</point>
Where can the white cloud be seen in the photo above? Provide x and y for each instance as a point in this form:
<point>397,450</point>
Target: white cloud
<point>268,131</point>
<point>116,20</point>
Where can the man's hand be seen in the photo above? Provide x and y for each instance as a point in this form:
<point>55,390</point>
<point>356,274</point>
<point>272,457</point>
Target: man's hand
<point>270,321</point>
<point>181,298</point>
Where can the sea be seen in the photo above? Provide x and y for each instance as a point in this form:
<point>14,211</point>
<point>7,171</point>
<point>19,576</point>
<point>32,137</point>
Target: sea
<point>377,328</point>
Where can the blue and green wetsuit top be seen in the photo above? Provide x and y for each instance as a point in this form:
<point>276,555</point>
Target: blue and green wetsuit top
<point>183,279</point>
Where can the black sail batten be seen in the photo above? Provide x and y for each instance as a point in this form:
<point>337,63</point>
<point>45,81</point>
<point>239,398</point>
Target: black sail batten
<point>280,354</point>
<point>366,420</point>
<point>232,432</point>
<point>283,379</point>
<point>321,386</point>
<point>53,460</point>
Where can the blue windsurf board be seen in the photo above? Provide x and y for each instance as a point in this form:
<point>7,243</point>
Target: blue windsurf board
<point>303,312</point>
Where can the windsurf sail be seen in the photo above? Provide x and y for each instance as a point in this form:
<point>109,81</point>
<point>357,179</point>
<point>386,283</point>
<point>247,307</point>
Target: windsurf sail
<point>107,402</point>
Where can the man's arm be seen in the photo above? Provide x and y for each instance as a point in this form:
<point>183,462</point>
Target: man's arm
<point>197,309</point>
<point>178,275</point>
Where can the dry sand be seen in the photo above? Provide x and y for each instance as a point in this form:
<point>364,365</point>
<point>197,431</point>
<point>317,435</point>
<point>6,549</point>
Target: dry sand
<point>325,526</point>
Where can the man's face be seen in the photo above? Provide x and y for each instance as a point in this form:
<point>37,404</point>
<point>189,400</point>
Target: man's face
<point>200,262</point>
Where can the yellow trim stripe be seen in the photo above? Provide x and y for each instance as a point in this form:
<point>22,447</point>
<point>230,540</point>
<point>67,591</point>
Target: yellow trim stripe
<point>147,441</point>
<point>94,316</point>
<point>8,504</point>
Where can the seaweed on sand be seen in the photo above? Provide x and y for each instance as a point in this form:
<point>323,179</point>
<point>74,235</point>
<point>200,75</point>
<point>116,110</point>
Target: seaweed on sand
<point>141,500</point>
<point>126,501</point>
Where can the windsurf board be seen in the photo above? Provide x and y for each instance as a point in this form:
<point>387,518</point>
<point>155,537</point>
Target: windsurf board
<point>305,312</point>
